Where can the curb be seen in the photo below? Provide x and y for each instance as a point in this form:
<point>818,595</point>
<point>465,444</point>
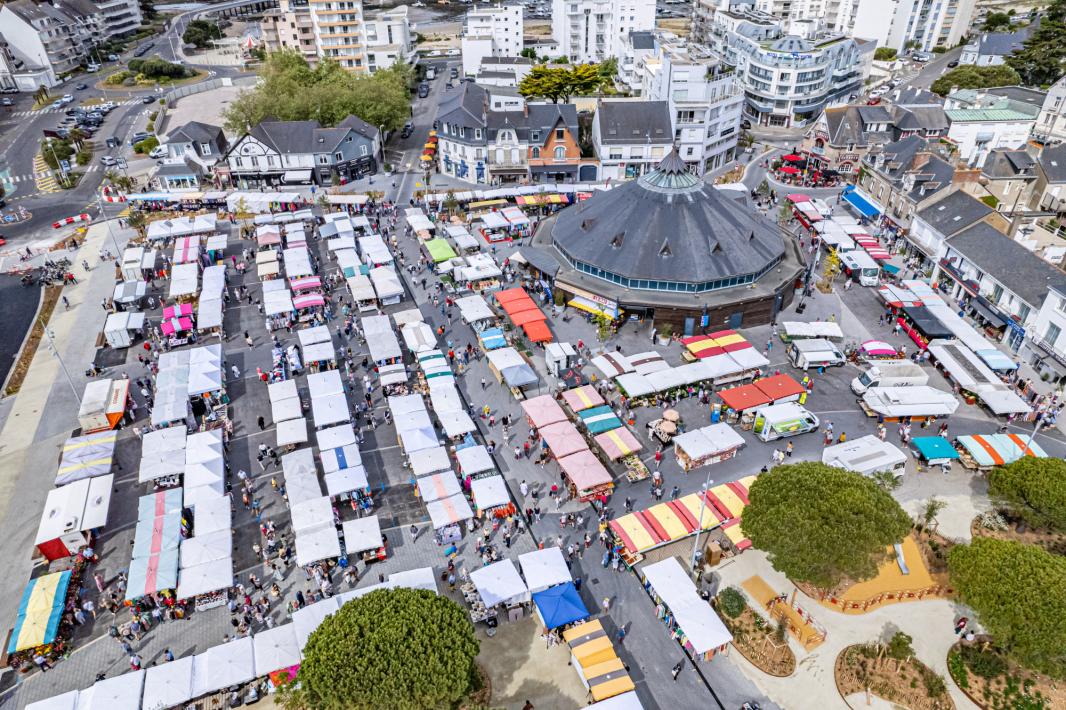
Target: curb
<point>22,346</point>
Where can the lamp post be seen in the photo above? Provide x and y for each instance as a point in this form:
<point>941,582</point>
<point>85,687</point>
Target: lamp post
<point>110,231</point>
<point>55,351</point>
<point>699,523</point>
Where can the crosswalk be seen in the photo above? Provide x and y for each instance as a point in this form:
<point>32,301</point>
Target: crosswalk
<point>40,171</point>
<point>38,112</point>
<point>42,175</point>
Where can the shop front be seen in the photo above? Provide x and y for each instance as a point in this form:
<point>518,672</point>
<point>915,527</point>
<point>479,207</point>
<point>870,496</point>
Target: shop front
<point>590,302</point>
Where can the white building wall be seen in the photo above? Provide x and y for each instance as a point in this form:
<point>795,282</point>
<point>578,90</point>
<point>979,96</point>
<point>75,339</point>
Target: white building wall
<point>491,32</point>
<point>1050,125</point>
<point>993,134</point>
<point>594,30</point>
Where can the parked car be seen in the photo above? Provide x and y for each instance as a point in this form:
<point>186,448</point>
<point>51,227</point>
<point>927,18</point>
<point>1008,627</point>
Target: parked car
<point>68,98</point>
<point>423,90</point>
<point>160,151</point>
<point>108,160</point>
<point>953,64</point>
<point>148,100</point>
<point>6,102</point>
<point>112,57</point>
<point>81,87</point>
<point>58,103</point>
<point>94,67</point>
<point>139,136</point>
<point>408,129</point>
<point>455,72</point>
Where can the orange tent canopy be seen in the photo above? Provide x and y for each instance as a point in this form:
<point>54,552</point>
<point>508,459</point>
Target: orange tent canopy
<point>537,331</point>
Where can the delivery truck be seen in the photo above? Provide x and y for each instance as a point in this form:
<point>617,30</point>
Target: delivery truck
<point>917,403</point>
<point>866,455</point>
<point>777,421</point>
<point>890,373</point>
<point>815,352</point>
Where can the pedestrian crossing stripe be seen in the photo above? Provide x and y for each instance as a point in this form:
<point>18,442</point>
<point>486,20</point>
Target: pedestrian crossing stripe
<point>38,112</point>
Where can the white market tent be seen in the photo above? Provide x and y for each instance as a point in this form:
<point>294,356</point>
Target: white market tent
<point>386,283</point>
<point>208,314</point>
<point>392,374</point>
<point>409,315</point>
<point>129,291</point>
<point>162,453</point>
<point>406,404</point>
<point>325,383</point>
<point>330,409</point>
<point>121,691</point>
<point>78,507</point>
<point>429,461</point>
<point>474,459</point>
<point>226,664</point>
<point>301,479</point>
<point>362,534</point>
<point>66,701</point>
<point>212,515</point>
<point>276,648</point>
<point>361,287</point>
<point>214,282</point>
<point>474,309</point>
<point>449,511</point>
<point>308,514</point>
<point>168,684</point>
<point>612,364</point>
<point>339,458</point>
<point>317,544</point>
<point>373,250</point>
<point>335,436</point>
<point>380,338</point>
<point>277,302</point>
<point>419,337</point>
<point>514,370</point>
<point>500,583</point>
<point>260,202</point>
<point>284,400</point>
<point>346,480</point>
<point>181,226</point>
<point>438,486</point>
<point>204,578</point>
<point>625,701</point>
<point>206,547</point>
<point>297,262</point>
<point>317,334</point>
<point>310,617</point>
<point>695,617</point>
<point>489,492</point>
<point>419,578</point>
<point>708,441</point>
<point>544,568</point>
<point>183,280</point>
<point>292,431</point>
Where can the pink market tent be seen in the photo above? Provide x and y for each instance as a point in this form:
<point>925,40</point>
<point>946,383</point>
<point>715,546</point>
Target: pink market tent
<point>543,411</point>
<point>584,397</point>
<point>183,309</point>
<point>175,325</point>
<point>618,443</point>
<point>305,284</point>
<point>308,300</point>
<point>563,439</point>
<point>878,348</point>
<point>585,470</point>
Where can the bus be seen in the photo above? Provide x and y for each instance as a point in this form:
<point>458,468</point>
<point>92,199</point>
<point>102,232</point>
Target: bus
<point>861,267</point>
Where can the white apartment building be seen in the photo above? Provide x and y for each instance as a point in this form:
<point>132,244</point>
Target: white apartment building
<point>338,29</point>
<point>50,37</point>
<point>927,23</point>
<point>981,122</point>
<point>1051,123</point>
<point>495,31</point>
<point>787,80</point>
<point>121,17</point>
<point>594,30</point>
<point>834,15</point>
<point>1045,339</point>
<point>704,100</point>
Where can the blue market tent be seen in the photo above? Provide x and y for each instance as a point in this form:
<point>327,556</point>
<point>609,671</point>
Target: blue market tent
<point>997,360</point>
<point>560,605</point>
<point>863,204</point>
<point>934,449</point>
<point>492,338</point>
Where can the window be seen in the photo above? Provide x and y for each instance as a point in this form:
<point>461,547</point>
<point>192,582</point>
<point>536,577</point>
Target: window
<point>1052,334</point>
<point>560,152</point>
<point>363,150</point>
<point>477,133</point>
<point>535,136</point>
<point>323,160</point>
<point>237,162</point>
<point>205,149</point>
<point>339,157</point>
<point>560,134</point>
<point>536,152</point>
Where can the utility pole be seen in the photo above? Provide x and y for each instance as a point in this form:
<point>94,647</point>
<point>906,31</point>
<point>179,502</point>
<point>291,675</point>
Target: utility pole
<point>55,351</point>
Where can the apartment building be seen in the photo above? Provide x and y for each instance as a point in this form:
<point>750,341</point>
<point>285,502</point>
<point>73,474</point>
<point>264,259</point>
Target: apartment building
<point>982,121</point>
<point>631,136</point>
<point>19,73</point>
<point>922,24</point>
<point>704,100</point>
<point>339,30</point>
<point>787,80</point>
<point>495,31</point>
<point>121,17</point>
<point>594,30</point>
<point>52,36</point>
<point>1050,126</point>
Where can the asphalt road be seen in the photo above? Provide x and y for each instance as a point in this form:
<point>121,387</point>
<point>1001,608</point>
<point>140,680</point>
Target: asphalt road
<point>18,305</point>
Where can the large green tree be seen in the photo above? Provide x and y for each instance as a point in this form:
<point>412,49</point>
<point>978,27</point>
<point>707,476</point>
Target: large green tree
<point>560,83</point>
<point>1019,594</point>
<point>1042,59</point>
<point>972,77</point>
<point>1033,489</point>
<point>290,90</point>
<point>200,33</point>
<point>995,21</point>
<point>403,649</point>
<point>822,524</point>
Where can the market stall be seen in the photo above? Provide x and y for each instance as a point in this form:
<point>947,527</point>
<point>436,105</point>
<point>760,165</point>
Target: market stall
<point>499,584</point>
<point>224,666</point>
<point>184,282</point>
<point>71,514</point>
<point>491,339</point>
<point>543,411</point>
<point>168,685</point>
<point>163,456</point>
<point>985,451</point>
<point>559,606</point>
<point>490,497</point>
<point>103,404</point>
<point>381,339</point>
<point>708,445</point>
<point>128,293</point>
<point>599,419</point>
<point>362,536</point>
<point>276,648</point>
<point>40,613</point>
<point>587,477</point>
<point>562,439</point>
<point>473,460</point>
<point>544,568</point>
<point>509,367</point>
<point>581,398</point>
<point>618,443</point>
<point>596,663</point>
<point>934,450</point>
<point>690,619</point>
<point>86,456</point>
<point>121,329</point>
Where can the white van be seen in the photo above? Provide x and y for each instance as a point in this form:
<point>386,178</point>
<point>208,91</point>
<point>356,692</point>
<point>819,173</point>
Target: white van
<point>861,267</point>
<point>866,455</point>
<point>815,352</point>
<point>902,373</point>
<point>778,421</point>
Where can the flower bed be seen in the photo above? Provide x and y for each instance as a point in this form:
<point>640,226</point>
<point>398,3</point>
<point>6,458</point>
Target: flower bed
<point>996,525</point>
<point>991,680</point>
<point>762,642</point>
<point>905,681</point>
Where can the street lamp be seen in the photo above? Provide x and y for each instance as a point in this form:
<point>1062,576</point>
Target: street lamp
<point>699,523</point>
<point>55,351</point>
<point>110,231</point>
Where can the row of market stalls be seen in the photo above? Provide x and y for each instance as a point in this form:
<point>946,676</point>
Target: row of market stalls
<point>524,313</point>
<point>667,522</point>
<point>586,476</point>
<point>274,654</point>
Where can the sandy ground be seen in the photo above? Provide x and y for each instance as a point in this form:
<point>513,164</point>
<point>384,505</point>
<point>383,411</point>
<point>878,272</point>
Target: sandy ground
<point>521,668</point>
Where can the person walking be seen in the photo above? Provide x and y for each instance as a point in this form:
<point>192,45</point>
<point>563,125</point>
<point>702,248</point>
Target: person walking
<point>236,372</point>
<point>606,605</point>
<point>261,422</point>
<point>676,670</point>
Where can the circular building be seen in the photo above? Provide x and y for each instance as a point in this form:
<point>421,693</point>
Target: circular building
<point>670,247</point>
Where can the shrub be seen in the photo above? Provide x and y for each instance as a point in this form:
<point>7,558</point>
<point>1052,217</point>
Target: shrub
<point>987,664</point>
<point>732,602</point>
<point>884,54</point>
<point>153,115</point>
<point>957,669</point>
<point>84,157</point>
<point>934,684</point>
<point>146,145</point>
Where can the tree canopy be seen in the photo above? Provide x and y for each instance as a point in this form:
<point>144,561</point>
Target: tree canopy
<point>822,524</point>
<point>1042,59</point>
<point>1032,489</point>
<point>560,83</point>
<point>973,77</point>
<point>200,33</point>
<point>995,21</point>
<point>290,90</point>
<point>885,54</point>
<point>404,649</point>
<point>155,67</point>
<point>1019,594</point>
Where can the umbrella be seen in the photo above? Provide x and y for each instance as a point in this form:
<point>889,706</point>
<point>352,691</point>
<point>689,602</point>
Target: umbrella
<point>791,157</point>
<point>426,158</point>
<point>671,415</point>
<point>789,170</point>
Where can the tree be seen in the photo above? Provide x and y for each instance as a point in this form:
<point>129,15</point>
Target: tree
<point>136,220</point>
<point>404,649</point>
<point>1042,58</point>
<point>148,11</point>
<point>995,21</point>
<point>972,77</point>
<point>1032,489</point>
<point>822,524</point>
<point>1019,594</point>
<point>289,90</point>
<point>551,83</point>
<point>607,69</point>
<point>123,182</point>
<point>201,33</point>
<point>885,54</point>
<point>529,53</point>
<point>886,480</point>
<point>930,510</point>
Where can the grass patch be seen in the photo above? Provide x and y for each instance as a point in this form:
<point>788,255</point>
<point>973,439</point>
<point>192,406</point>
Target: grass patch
<point>29,348</point>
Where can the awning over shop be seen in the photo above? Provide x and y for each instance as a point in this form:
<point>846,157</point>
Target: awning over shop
<point>39,612</point>
<point>543,411</point>
<point>499,583</point>
<point>863,203</point>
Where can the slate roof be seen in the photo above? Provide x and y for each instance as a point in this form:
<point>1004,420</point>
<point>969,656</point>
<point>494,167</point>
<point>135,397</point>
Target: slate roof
<point>1021,94</point>
<point>642,39</point>
<point>668,225</point>
<point>302,137</point>
<point>845,125</point>
<point>1001,44</point>
<point>954,212</point>
<point>913,96</point>
<point>359,126</point>
<point>1007,261</point>
<point>506,60</point>
<point>932,177</point>
<point>1053,163</point>
<point>631,122</point>
<point>921,118</point>
<point>194,132</point>
<point>469,107</point>
<point>1004,163</point>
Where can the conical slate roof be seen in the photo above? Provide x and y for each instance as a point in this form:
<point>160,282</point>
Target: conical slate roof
<point>668,225</point>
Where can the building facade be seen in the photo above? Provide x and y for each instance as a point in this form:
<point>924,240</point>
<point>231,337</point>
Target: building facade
<point>495,31</point>
<point>1050,126</point>
<point>593,30</point>
<point>705,102</point>
<point>289,27</point>
<point>788,81</point>
<point>49,36</point>
<point>918,24</point>
<point>631,136</point>
<point>982,122</point>
<point>121,17</point>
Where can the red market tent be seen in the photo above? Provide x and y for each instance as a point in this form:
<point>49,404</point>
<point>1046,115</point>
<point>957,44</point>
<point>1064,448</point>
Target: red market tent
<point>744,397</point>
<point>789,170</point>
<point>538,331</point>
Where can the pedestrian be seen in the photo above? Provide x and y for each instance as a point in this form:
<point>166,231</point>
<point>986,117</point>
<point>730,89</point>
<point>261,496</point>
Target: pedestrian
<point>483,384</point>
<point>248,339</point>
<point>788,450</point>
<point>135,662</point>
<point>676,670</point>
<point>167,655</point>
<point>66,303</point>
<point>527,706</point>
<point>261,422</point>
<point>960,625</point>
<point>99,579</point>
<point>523,488</point>
<point>236,372</point>
<point>621,634</point>
<point>675,492</point>
<point>606,605</point>
<point>42,662</point>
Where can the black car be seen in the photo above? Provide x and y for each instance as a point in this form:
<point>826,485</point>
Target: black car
<point>81,87</point>
<point>423,90</point>
<point>407,131</point>
<point>745,124</point>
<point>455,73</point>
<point>953,64</point>
<point>148,100</point>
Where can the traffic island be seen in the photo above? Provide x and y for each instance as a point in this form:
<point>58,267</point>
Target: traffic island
<point>891,672</point>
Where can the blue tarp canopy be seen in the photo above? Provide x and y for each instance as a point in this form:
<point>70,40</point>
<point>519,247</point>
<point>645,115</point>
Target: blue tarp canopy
<point>932,448</point>
<point>996,360</point>
<point>862,204</point>
<point>890,268</point>
<point>560,605</point>
<point>492,338</point>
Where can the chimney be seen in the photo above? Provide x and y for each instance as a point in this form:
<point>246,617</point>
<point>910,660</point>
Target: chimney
<point>525,109</point>
<point>920,160</point>
<point>966,176</point>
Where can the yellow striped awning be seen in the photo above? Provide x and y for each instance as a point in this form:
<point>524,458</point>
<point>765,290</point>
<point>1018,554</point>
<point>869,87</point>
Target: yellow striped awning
<point>669,521</point>
<point>592,652</point>
<point>636,532</point>
<point>621,443</point>
<point>82,465</point>
<point>733,504</point>
<point>108,437</point>
<point>734,533</point>
<point>692,505</point>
